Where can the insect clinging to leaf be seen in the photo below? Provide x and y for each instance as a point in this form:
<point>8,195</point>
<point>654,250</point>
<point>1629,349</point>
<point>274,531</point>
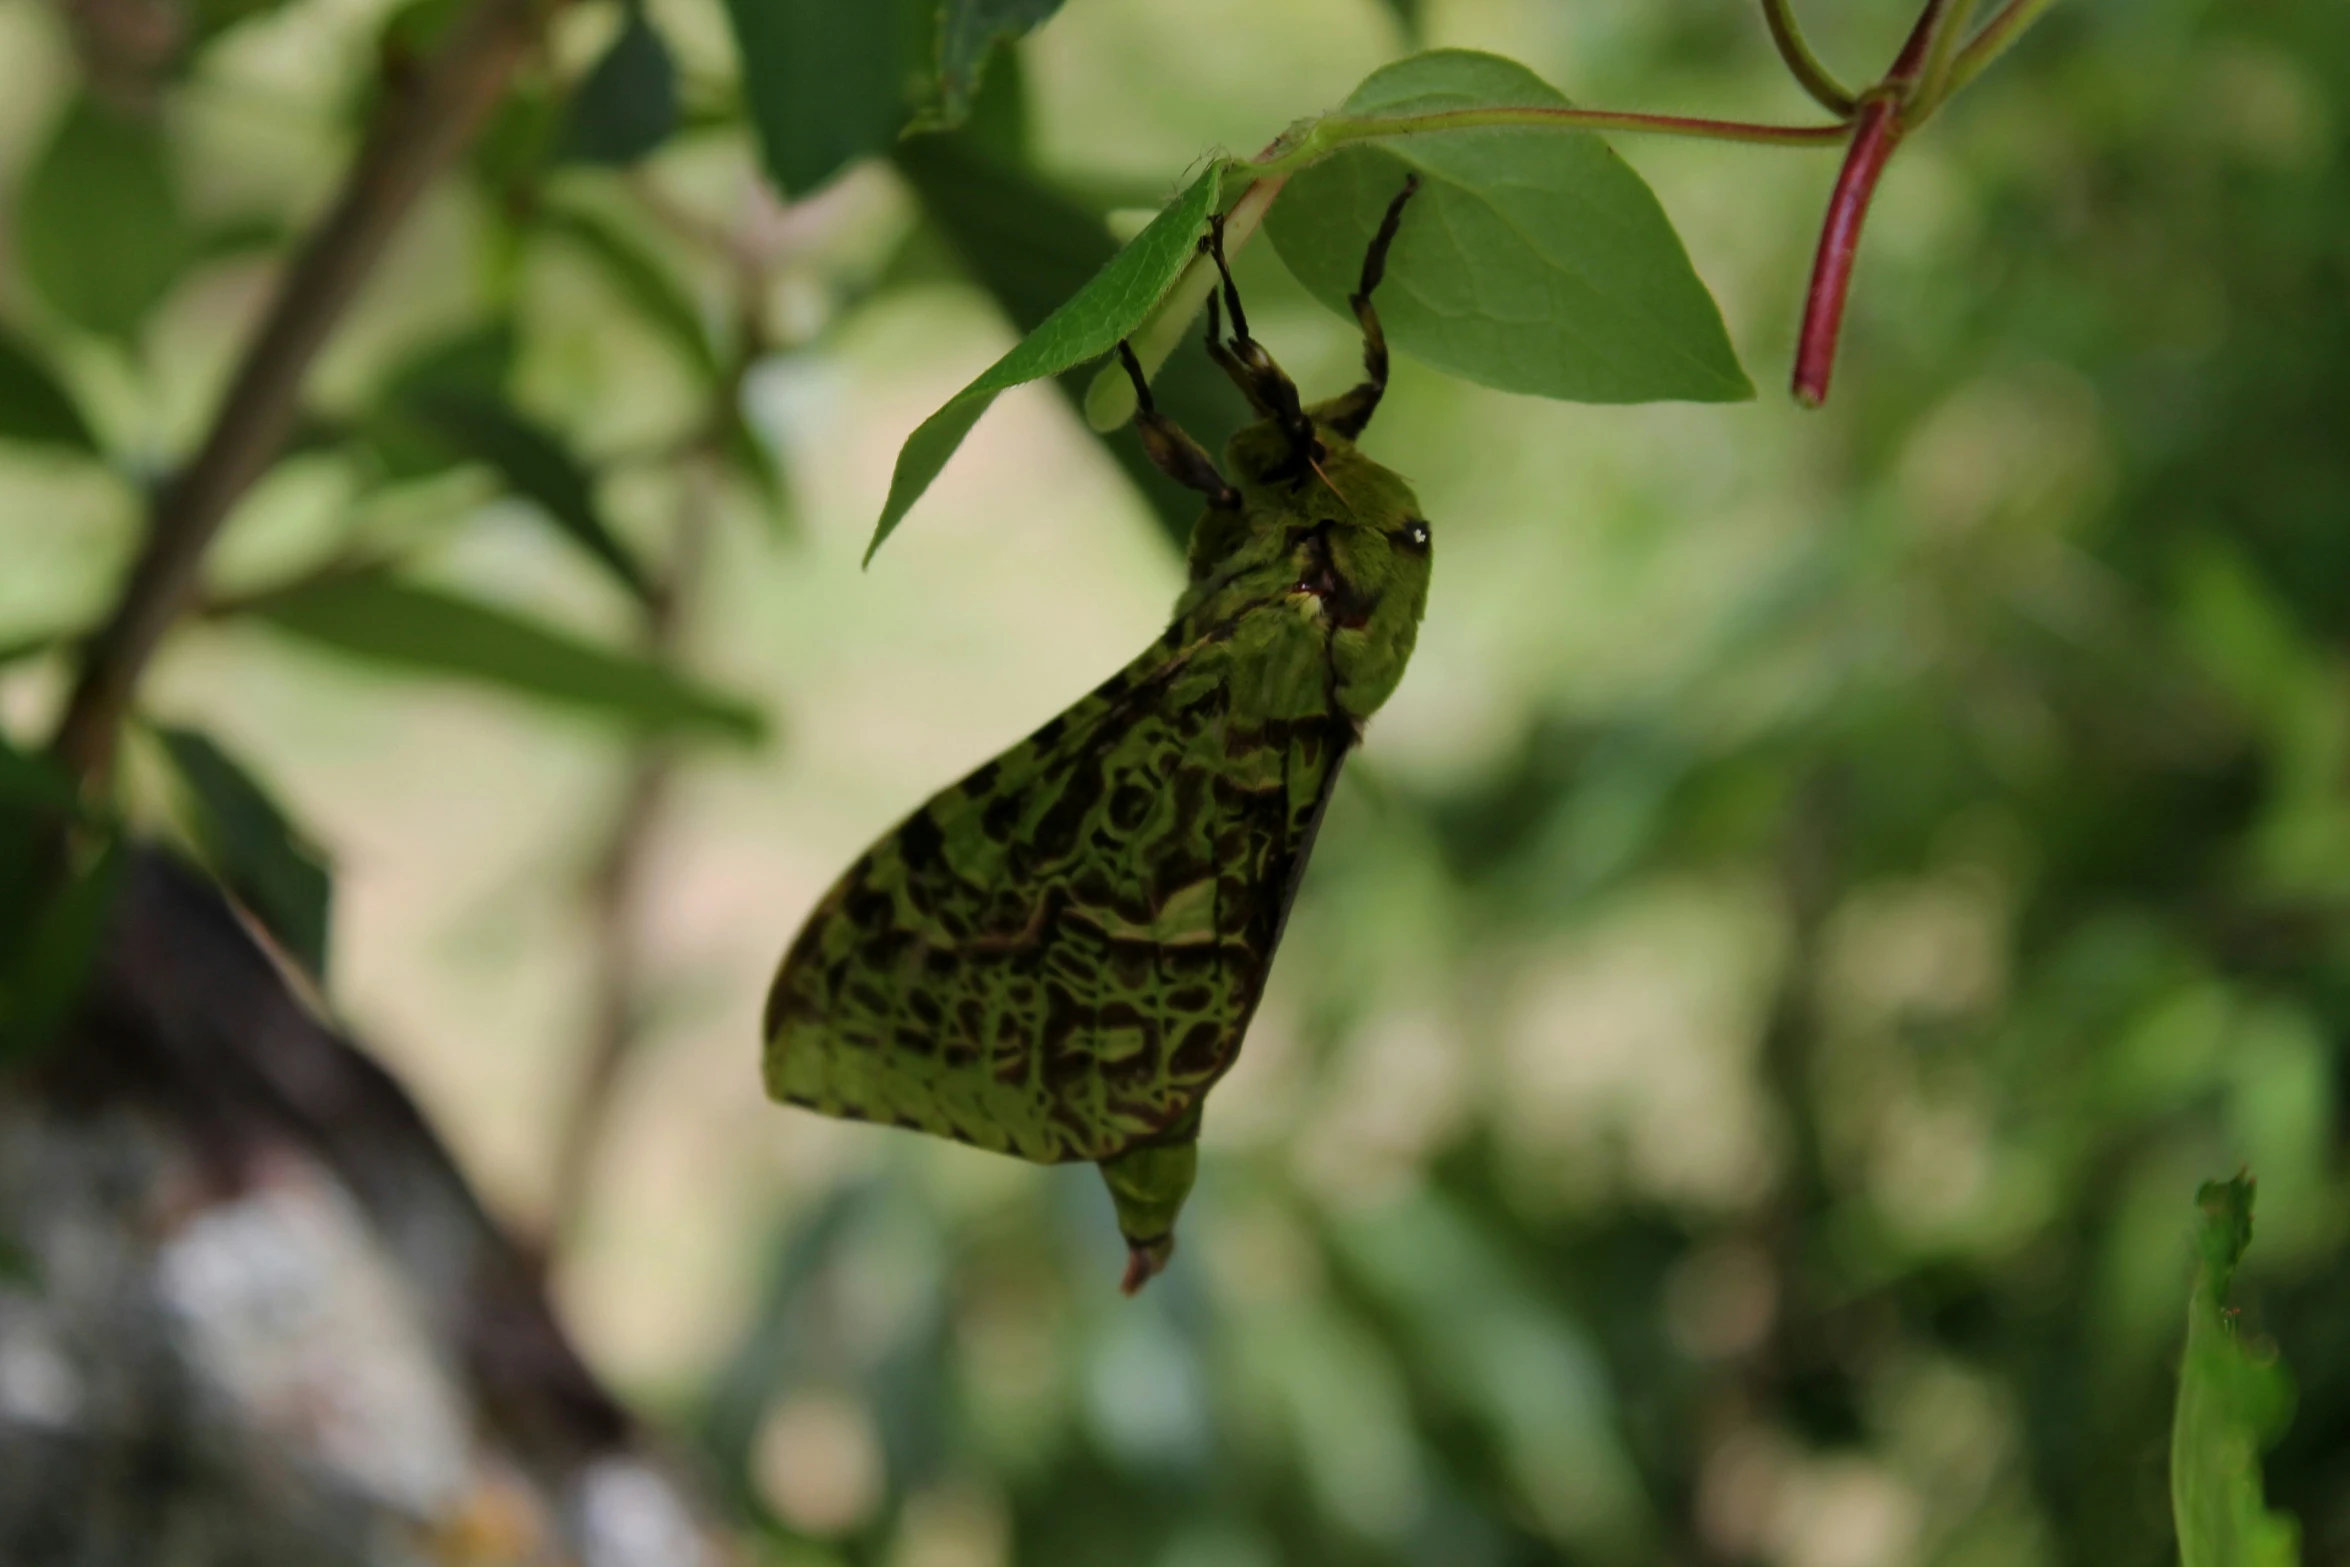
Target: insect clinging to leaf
<point>1057,957</point>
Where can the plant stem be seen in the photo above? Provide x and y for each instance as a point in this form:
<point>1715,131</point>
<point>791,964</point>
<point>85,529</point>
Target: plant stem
<point>1337,131</point>
<point>1807,68</point>
<point>1876,131</point>
<point>415,135</point>
<point>616,893</point>
<point>1933,83</point>
<point>1994,40</point>
<point>1831,274</point>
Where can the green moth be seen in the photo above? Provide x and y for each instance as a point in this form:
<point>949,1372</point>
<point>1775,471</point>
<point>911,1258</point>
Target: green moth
<point>1057,956</point>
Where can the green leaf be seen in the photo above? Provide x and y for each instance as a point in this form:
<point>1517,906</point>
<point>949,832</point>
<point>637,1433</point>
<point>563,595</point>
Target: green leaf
<point>407,626</point>
<point>827,82</point>
<point>1086,325</point>
<point>1532,260</point>
<point>44,973</point>
<point>968,31</point>
<point>99,226</point>
<point>1031,247</point>
<point>538,466</point>
<point>34,407</point>
<point>2233,1402</point>
<point>645,282</point>
<point>473,364</point>
<point>627,105</point>
<point>249,844</point>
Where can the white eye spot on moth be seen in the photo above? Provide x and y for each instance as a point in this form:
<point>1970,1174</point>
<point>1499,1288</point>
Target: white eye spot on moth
<point>1415,535</point>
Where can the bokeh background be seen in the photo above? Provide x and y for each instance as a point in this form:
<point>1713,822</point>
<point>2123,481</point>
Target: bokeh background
<point>1734,1087</point>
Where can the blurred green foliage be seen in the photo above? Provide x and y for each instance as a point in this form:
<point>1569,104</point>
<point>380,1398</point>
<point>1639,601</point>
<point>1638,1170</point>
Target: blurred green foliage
<point>2233,1400</point>
<point>1741,1109</point>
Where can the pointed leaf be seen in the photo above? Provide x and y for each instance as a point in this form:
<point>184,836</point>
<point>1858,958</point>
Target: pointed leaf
<point>1533,260</point>
<point>1086,326</point>
<point>1031,247</point>
<point>408,626</point>
<point>539,467</point>
<point>968,31</point>
<point>627,105</point>
<point>248,843</point>
<point>44,974</point>
<point>19,1269</point>
<point>645,282</point>
<point>99,225</point>
<point>34,406</point>
<point>827,82</point>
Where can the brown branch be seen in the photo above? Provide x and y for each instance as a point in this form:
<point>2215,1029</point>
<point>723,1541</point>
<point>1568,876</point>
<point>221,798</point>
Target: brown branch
<point>416,134</point>
<point>617,890</point>
<point>616,893</point>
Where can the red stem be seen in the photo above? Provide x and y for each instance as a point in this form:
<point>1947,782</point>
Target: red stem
<point>1876,130</point>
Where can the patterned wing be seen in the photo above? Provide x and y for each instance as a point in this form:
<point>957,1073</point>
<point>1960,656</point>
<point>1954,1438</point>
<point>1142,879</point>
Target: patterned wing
<point>1057,956</point>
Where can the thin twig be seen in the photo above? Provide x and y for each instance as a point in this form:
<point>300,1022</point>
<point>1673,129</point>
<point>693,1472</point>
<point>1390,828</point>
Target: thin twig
<point>1809,71</point>
<point>1994,40</point>
<point>1933,83</point>
<point>1340,129</point>
<point>416,134</point>
<point>616,893</point>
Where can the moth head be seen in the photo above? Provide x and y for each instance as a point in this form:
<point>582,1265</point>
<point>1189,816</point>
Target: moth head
<point>1344,543</point>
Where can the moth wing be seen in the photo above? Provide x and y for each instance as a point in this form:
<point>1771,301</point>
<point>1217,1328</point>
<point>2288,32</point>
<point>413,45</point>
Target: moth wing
<point>1057,956</point>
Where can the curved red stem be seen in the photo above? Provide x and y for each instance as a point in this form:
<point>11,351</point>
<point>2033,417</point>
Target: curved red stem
<point>1876,129</point>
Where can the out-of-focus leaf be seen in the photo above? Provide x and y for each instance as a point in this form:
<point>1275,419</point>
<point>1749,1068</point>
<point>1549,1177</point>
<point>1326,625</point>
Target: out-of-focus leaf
<point>479,360</point>
<point>1024,242</point>
<point>828,83</point>
<point>997,123</point>
<point>2233,1402</point>
<point>18,1267</point>
<point>1032,247</point>
<point>250,845</point>
<point>34,407</point>
<point>539,467</point>
<point>647,283</point>
<point>1521,1369</point>
<point>214,17</point>
<point>1408,16</point>
<point>44,972</point>
<point>98,222</point>
<point>474,364</point>
<point>417,628</point>
<point>968,32</point>
<point>1531,260</point>
<point>1085,326</point>
<point>627,106</point>
<point>754,461</point>
<point>522,137</point>
<point>31,781</point>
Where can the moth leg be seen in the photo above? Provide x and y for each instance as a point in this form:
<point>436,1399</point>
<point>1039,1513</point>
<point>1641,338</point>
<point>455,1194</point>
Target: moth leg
<point>1349,412</point>
<point>1172,452</point>
<point>1228,363</point>
<point>1261,381</point>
